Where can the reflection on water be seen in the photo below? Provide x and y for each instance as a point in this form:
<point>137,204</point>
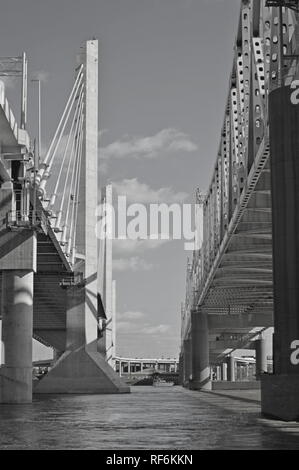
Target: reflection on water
<point>148,418</point>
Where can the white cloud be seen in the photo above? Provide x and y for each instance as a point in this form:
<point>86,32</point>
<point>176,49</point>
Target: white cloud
<point>103,168</point>
<point>127,247</point>
<point>129,323</point>
<point>103,132</point>
<point>142,193</point>
<point>128,316</point>
<point>126,327</point>
<point>156,330</point>
<point>131,264</point>
<point>9,82</point>
<point>41,75</point>
<point>164,142</point>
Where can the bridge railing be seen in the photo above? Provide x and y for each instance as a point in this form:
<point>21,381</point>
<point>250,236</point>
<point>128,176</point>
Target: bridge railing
<point>27,219</point>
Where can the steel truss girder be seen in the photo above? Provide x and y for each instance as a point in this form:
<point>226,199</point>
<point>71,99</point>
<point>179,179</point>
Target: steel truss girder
<point>234,268</point>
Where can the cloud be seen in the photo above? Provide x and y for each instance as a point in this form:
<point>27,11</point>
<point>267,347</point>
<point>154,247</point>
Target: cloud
<point>103,132</point>
<point>103,168</point>
<point>142,193</point>
<point>127,247</point>
<point>9,82</point>
<point>126,327</point>
<point>156,330</point>
<point>127,316</point>
<point>165,142</point>
<point>41,75</point>
<point>129,323</point>
<point>131,264</point>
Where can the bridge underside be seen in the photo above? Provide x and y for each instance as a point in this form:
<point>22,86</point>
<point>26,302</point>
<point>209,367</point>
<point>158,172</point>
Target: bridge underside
<point>239,302</point>
<point>49,308</point>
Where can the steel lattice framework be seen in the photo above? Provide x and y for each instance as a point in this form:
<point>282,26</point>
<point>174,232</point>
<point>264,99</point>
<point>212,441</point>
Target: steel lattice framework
<point>232,273</point>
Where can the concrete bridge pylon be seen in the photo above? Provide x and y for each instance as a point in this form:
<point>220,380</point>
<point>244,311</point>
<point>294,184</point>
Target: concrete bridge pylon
<point>49,272</point>
<point>83,367</point>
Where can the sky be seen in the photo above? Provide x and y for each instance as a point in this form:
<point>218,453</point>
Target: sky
<point>163,76</point>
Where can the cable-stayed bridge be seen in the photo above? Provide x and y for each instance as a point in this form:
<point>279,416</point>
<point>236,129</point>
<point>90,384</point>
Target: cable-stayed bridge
<point>56,280</point>
<point>230,295</point>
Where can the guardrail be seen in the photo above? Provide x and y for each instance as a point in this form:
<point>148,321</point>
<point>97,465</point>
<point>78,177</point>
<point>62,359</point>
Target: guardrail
<point>27,220</point>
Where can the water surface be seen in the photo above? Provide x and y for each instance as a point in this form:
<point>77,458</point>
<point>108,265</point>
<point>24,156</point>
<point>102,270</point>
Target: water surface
<point>148,418</point>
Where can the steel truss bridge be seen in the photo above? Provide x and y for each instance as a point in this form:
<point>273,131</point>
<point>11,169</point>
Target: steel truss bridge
<point>229,292</point>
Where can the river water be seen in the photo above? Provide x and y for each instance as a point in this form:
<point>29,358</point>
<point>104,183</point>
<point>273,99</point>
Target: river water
<point>148,418</point>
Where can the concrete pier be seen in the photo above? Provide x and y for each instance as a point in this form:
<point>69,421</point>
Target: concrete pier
<point>201,376</point>
<point>224,372</point>
<point>187,357</point>
<point>260,357</point>
<point>18,252</point>
<point>17,324</point>
<point>231,374</point>
<point>75,324</point>
<point>280,391</point>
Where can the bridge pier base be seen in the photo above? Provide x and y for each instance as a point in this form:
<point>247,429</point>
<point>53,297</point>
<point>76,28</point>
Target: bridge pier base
<point>17,324</point>
<point>81,368</point>
<point>280,394</point>
<point>201,373</point>
<point>83,371</point>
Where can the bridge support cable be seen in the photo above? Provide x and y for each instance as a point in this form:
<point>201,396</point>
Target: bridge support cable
<point>67,220</point>
<point>74,197</point>
<point>48,168</point>
<point>62,167</point>
<point>73,93</point>
<point>75,208</point>
<point>71,160</point>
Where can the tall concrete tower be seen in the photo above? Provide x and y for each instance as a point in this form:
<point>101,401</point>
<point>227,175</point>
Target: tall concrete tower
<point>83,367</point>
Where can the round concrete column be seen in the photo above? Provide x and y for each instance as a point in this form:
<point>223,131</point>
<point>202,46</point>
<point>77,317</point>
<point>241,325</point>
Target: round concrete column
<point>187,362</point>
<point>17,330</point>
<point>1,344</point>
<point>260,357</point>
<point>224,371</point>
<point>201,376</point>
<point>231,376</point>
